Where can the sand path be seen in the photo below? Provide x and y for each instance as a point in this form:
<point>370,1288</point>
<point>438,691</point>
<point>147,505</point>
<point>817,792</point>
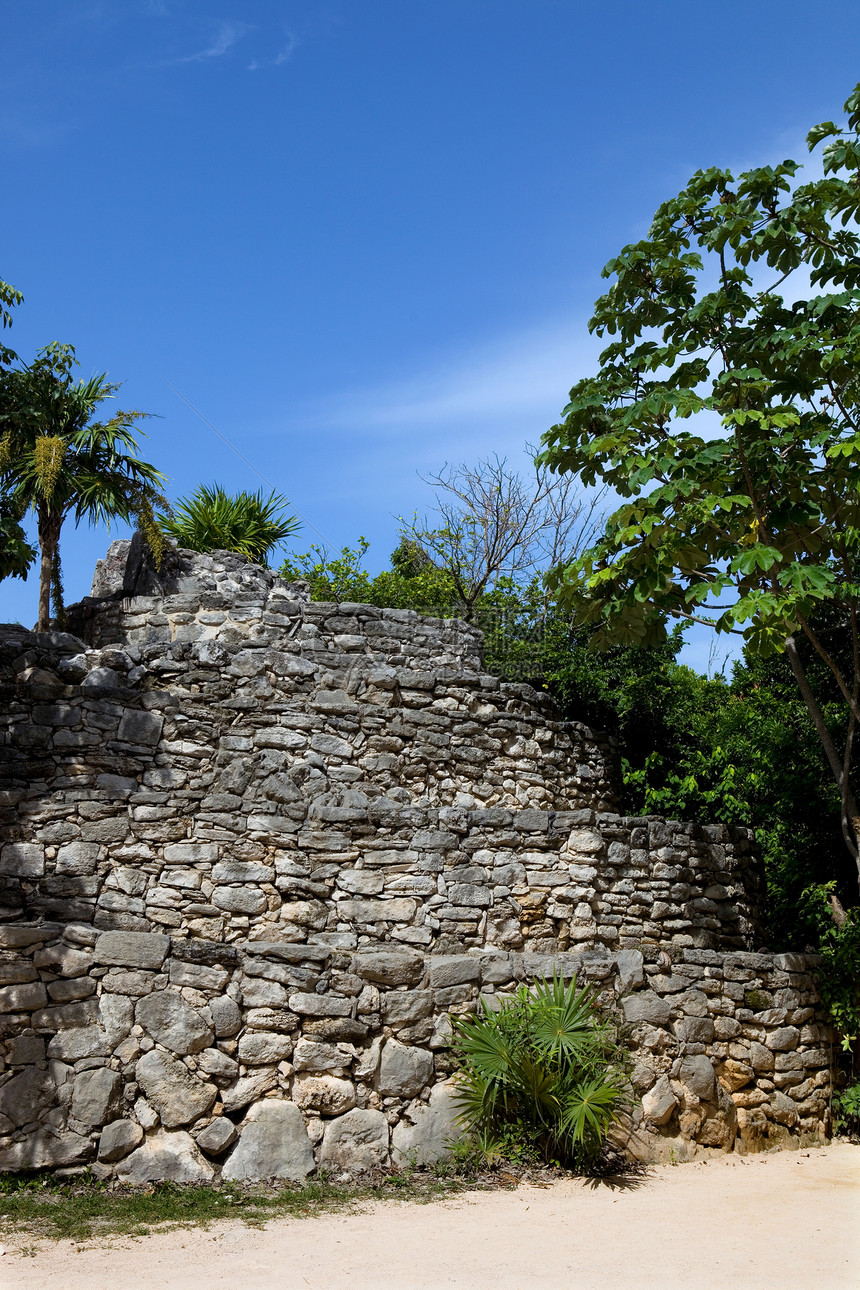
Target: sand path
<point>788,1221</point>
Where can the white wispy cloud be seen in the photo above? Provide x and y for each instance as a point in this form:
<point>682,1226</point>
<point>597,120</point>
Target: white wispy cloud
<point>283,55</point>
<point>226,35</point>
<point>515,381</point>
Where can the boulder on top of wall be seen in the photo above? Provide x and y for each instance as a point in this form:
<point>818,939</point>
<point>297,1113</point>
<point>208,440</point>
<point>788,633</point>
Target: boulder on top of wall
<point>166,1157</point>
<point>357,1141</point>
<point>424,1135</point>
<point>273,1144</point>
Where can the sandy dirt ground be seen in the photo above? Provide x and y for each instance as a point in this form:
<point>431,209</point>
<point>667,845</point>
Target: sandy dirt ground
<point>788,1221</point>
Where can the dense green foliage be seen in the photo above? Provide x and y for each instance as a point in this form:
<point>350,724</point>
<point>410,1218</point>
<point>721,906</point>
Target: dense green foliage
<point>212,519</point>
<point>541,1070</point>
<point>726,412</point>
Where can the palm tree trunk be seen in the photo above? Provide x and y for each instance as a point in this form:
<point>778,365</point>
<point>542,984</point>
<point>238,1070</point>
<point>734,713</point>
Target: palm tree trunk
<point>49,540</point>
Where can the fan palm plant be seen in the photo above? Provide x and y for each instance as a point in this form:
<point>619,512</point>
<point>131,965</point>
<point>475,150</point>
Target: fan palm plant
<point>212,519</point>
<point>544,1068</point>
<point>56,461</point>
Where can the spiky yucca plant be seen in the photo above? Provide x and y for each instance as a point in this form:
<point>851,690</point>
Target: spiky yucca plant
<point>212,519</point>
<point>544,1069</point>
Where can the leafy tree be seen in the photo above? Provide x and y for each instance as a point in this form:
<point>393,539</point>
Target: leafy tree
<point>9,298</point>
<point>212,519</point>
<point>726,411</point>
<point>56,461</point>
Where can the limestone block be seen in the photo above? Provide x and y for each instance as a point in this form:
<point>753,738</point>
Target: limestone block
<point>783,1040</point>
<point>226,1016</point>
<point>631,970</point>
<point>399,909</point>
<point>260,993</point>
<point>117,1017</point>
<point>45,1149</point>
<point>25,1097</point>
<point>142,728</point>
<point>174,1023</point>
<point>320,1005</point>
<point>132,949</point>
<point>96,1095</point>
<point>23,998</point>
<point>217,1065</point>
<point>166,1157</point>
<point>328,1094</point>
<point>389,967</point>
<point>79,1042</point>
<point>646,1006</point>
<point>733,1075</point>
<point>782,1108</point>
<point>22,860</point>
<point>425,1134</point>
<point>357,1141</point>
<point>659,1103</point>
<point>264,1048</point>
<point>698,1075</point>
<point>239,900</point>
<point>403,1071</point>
<point>248,1089</point>
<point>312,1055</point>
<point>177,1096</point>
<point>273,1144</point>
<point>216,1137</point>
<point>118,1139</point>
<point>453,969</point>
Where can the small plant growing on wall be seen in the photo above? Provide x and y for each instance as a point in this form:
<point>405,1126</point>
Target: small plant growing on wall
<point>542,1077</point>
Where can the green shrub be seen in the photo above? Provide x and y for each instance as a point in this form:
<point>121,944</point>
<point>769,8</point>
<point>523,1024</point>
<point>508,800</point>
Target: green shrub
<point>542,1077</point>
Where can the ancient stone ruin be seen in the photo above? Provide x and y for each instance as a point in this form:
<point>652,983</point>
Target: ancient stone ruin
<point>256,851</point>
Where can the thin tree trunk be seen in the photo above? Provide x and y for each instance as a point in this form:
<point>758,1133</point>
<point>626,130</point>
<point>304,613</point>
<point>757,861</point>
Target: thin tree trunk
<point>49,539</point>
<point>840,770</point>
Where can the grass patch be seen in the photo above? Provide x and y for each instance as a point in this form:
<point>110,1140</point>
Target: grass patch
<point>77,1209</point>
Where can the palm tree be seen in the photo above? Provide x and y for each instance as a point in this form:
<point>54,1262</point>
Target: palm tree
<point>212,519</point>
<point>56,461</point>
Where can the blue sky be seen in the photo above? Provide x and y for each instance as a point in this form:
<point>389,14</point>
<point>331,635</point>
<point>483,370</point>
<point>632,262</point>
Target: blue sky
<point>363,237</point>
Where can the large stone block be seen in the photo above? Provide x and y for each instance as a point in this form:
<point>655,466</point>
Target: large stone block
<point>328,1094</point>
<point>166,1157</point>
<point>273,1144</point>
<point>177,1096</point>
<point>96,1095</point>
<point>389,967</point>
<point>46,1149</point>
<point>141,728</point>
<point>357,1141</point>
<point>132,949</point>
<point>648,1007</point>
<point>24,997</point>
<point>22,860</point>
<point>25,1097</point>
<point>403,1071</point>
<point>118,1139</point>
<point>425,1134</point>
<point>174,1023</point>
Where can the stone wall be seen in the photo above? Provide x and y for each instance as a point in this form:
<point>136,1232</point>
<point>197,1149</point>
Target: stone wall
<point>255,851</point>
